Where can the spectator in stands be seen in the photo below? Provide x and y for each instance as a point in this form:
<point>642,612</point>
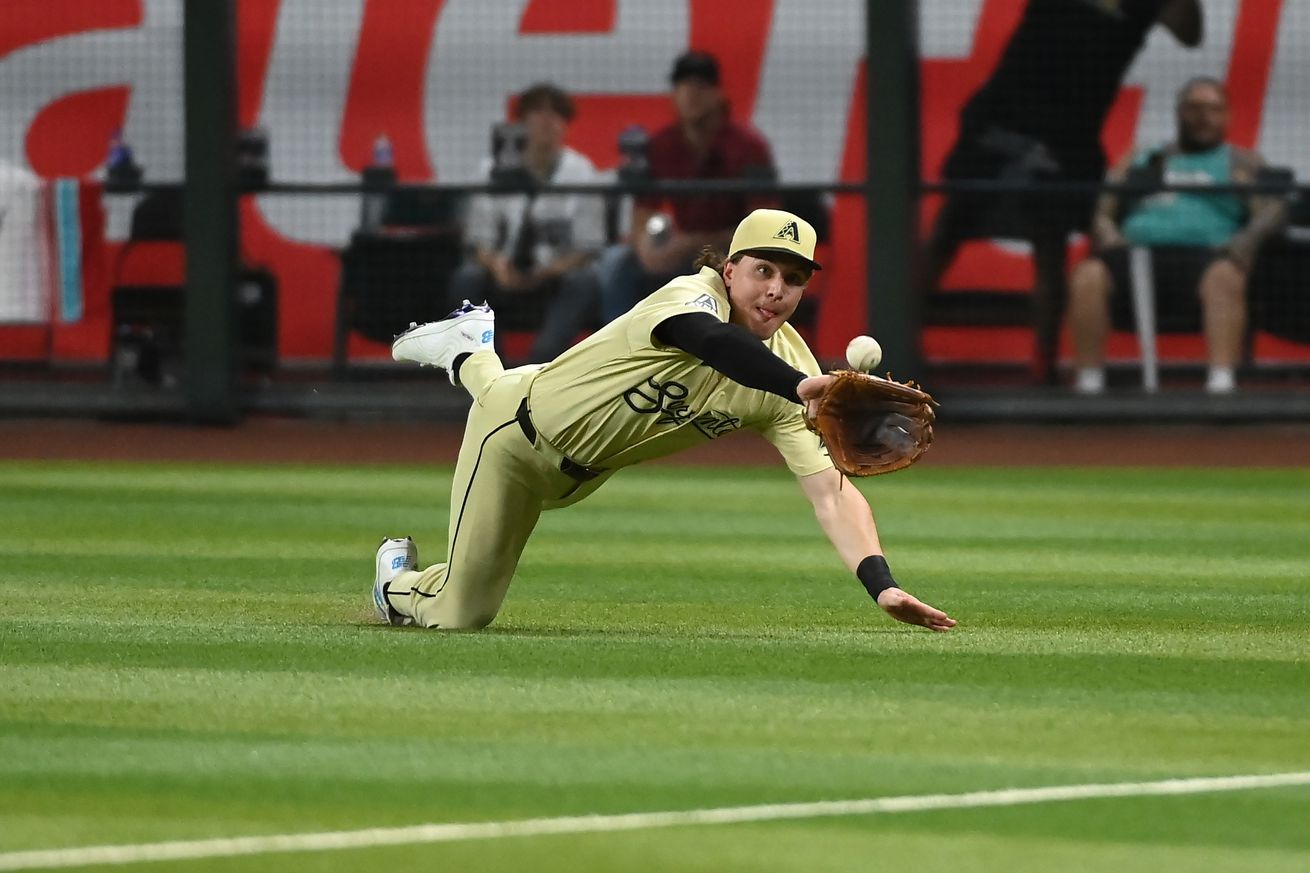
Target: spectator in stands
<point>703,142</point>
<point>1038,118</point>
<point>533,253</point>
<point>1203,242</point>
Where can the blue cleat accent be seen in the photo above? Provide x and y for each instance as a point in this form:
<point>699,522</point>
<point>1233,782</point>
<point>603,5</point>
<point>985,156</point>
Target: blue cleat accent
<point>394,557</point>
<point>467,330</point>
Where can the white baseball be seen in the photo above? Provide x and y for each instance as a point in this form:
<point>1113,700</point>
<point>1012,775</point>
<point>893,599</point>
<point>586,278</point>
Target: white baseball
<point>863,353</point>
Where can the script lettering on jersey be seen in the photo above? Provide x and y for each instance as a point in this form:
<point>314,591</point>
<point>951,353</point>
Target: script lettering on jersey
<point>668,399</point>
<point>715,424</point>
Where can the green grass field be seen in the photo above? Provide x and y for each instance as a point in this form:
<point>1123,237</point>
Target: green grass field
<point>190,652</point>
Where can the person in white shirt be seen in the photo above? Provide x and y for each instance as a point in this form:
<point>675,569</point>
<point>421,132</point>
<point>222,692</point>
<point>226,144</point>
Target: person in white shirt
<point>532,254</point>
<point>25,247</point>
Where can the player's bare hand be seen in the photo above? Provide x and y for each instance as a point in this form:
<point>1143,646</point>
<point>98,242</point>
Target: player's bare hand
<point>810,390</point>
<point>903,606</point>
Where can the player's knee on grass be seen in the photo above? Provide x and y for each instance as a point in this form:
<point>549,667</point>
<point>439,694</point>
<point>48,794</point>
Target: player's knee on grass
<point>465,617</point>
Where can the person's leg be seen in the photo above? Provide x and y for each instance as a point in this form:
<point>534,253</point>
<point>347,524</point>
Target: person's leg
<point>1051,217</point>
<point>576,297</point>
<point>1223,312</point>
<point>1089,321</point>
<point>620,276</point>
<point>496,498</point>
<point>1050,296</point>
<point>949,230</point>
<point>473,282</point>
<point>479,373</point>
<point>469,282</point>
<point>962,213</point>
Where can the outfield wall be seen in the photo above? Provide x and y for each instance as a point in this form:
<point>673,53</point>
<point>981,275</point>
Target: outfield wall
<point>326,78</point>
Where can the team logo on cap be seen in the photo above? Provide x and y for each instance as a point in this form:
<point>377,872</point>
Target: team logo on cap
<point>789,231</point>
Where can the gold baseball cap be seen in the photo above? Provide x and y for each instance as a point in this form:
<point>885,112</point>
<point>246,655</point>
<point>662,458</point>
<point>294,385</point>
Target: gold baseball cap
<point>773,230</point>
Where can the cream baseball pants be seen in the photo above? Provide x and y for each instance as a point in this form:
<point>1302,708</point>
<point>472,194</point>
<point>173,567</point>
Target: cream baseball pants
<point>502,484</point>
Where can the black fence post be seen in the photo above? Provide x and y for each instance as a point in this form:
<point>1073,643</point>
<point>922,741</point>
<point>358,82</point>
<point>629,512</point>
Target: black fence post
<point>210,217</point>
<point>892,179</point>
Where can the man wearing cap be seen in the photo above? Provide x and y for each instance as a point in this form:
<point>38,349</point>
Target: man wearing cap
<point>705,356</point>
<point>703,142</point>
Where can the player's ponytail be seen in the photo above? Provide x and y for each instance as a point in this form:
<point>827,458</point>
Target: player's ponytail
<point>714,259</point>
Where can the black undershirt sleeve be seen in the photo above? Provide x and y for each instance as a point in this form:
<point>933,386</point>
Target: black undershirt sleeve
<point>731,350</point>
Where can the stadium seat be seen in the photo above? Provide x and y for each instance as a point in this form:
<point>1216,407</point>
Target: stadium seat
<point>390,278</point>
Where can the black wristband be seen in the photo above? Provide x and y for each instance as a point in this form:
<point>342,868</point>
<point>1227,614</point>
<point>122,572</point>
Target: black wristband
<point>875,575</point>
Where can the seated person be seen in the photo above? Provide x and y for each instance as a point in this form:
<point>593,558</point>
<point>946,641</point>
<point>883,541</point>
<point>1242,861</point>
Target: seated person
<point>533,254</point>
<point>1203,243</point>
<point>1037,119</point>
<point>703,142</point>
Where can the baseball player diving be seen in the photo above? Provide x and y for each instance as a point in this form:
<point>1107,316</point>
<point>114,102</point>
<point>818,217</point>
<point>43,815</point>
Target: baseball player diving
<point>704,356</point>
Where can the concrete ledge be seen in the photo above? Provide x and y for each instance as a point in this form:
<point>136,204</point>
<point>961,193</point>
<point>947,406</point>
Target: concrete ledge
<point>1170,406</point>
<point>432,399</point>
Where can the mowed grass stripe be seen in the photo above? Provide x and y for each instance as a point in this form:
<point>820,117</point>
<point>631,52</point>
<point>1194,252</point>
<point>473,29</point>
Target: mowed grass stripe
<point>201,661</point>
<point>593,824</point>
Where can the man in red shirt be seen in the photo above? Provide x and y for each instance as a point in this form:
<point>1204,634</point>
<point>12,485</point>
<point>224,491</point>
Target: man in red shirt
<point>702,143</point>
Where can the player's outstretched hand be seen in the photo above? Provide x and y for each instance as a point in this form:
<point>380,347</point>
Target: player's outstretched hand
<point>810,389</point>
<point>903,606</point>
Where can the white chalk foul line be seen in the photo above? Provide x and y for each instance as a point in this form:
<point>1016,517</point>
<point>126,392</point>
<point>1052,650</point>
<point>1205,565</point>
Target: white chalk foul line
<point>49,859</point>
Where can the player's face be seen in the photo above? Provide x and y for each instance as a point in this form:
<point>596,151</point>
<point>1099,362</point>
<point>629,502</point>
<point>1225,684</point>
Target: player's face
<point>764,292</point>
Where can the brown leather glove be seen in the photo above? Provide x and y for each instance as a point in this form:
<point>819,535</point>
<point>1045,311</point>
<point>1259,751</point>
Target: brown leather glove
<point>872,425</point>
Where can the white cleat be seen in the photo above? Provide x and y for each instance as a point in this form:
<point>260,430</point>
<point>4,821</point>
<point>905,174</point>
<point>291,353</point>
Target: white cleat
<point>395,556</point>
<point>467,330</point>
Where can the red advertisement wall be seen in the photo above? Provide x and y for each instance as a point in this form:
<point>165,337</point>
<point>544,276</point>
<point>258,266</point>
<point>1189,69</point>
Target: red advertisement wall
<point>325,78</point>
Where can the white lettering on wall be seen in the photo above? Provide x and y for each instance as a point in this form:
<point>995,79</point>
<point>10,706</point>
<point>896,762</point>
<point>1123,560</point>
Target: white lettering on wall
<point>147,59</point>
<point>805,87</point>
<point>1283,134</point>
<point>479,60</point>
<point>304,100</point>
<point>1165,64</point>
<point>946,27</point>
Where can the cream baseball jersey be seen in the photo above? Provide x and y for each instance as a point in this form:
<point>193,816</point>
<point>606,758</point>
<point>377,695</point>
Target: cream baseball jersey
<point>621,396</point>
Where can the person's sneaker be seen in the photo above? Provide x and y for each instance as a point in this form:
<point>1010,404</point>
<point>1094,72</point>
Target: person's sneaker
<point>467,330</point>
<point>395,556</point>
<point>1089,381</point>
<point>1221,380</point>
